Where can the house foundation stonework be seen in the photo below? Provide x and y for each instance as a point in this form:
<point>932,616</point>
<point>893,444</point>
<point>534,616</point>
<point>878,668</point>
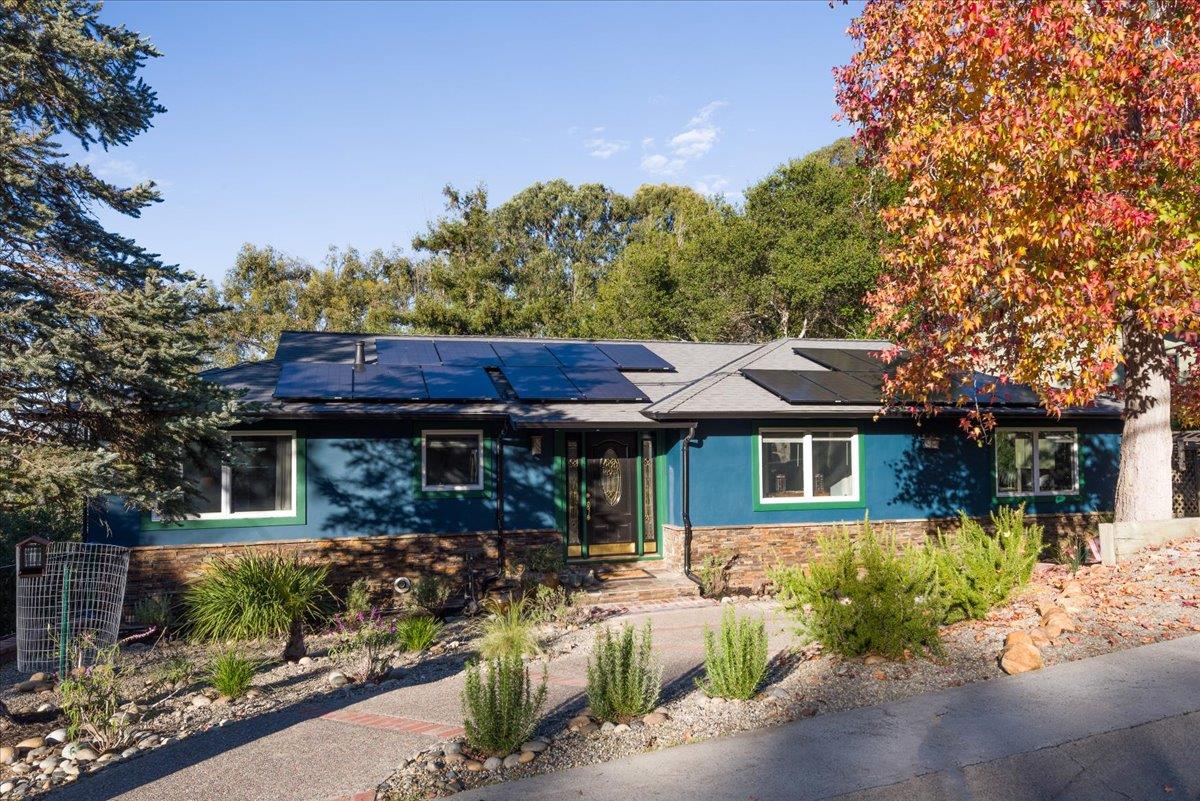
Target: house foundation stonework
<point>166,569</point>
<point>755,549</point>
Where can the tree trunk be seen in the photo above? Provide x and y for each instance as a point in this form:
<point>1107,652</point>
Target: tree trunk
<point>1144,482</point>
<point>295,648</point>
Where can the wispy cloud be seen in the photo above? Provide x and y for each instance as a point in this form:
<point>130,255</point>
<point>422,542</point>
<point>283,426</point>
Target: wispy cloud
<point>709,185</point>
<point>693,142</point>
<point>118,171</point>
<point>658,164</point>
<point>604,148</point>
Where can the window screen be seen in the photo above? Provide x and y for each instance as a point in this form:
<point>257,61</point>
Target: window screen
<point>453,460</point>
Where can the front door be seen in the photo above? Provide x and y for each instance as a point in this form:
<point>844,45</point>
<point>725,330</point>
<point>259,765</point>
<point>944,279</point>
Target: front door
<point>610,504</point>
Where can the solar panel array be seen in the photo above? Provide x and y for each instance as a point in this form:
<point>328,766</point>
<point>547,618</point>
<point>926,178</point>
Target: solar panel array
<point>856,376</point>
<point>463,370</point>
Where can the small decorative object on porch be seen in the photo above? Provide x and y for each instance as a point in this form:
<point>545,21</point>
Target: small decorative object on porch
<point>69,600</point>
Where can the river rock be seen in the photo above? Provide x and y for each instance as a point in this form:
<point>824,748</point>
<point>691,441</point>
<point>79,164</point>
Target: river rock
<point>1056,622</point>
<point>130,751</point>
<point>48,764</point>
<point>474,765</point>
<point>1020,658</point>
<point>608,727</point>
<point>201,701</point>
<point>874,659</point>
<point>654,718</point>
<point>578,722</point>
<point>1017,638</point>
<point>534,745</point>
<point>493,763</point>
<point>452,747</point>
<point>29,743</point>
<point>305,660</point>
<point>512,760</point>
<point>1040,638</point>
<point>57,736</point>
<point>69,768</point>
<point>84,754</point>
<point>337,679</point>
<point>620,728</point>
<point>8,755</point>
<point>6,787</point>
<point>527,756</point>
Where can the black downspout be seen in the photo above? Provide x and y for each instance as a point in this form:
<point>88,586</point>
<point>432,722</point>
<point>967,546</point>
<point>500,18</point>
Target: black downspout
<point>500,547</point>
<point>686,507</point>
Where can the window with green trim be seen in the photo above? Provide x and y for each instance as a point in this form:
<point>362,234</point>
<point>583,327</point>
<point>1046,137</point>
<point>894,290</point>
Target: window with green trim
<point>259,479</point>
<point>1037,461</point>
<point>801,465</point>
<point>452,460</point>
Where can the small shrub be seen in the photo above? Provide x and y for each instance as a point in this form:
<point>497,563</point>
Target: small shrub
<point>90,702</point>
<point>548,604</point>
<point>176,669</point>
<point>977,571</point>
<point>230,674</point>
<point>154,610</point>
<point>358,598</point>
<point>370,639</point>
<point>499,705</point>
<point>735,659</point>
<point>430,593</point>
<point>418,632</point>
<point>255,596</point>
<point>546,559</point>
<point>508,631</point>
<point>864,594</point>
<point>713,572</point>
<point>623,678</point>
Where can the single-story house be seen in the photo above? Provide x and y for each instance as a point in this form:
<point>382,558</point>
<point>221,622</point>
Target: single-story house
<point>389,456</point>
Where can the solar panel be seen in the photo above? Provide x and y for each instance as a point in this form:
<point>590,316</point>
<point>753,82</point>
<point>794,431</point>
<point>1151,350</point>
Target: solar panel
<point>603,384</point>
<point>389,382</point>
<point>524,353</point>
<point>1003,394</point>
<point>579,354</point>
<point>791,386</point>
<point>406,351</point>
<point>541,384</point>
<point>314,380</point>
<point>845,385</point>
<point>631,356</point>
<point>843,359</point>
<point>466,351</point>
<point>459,383</point>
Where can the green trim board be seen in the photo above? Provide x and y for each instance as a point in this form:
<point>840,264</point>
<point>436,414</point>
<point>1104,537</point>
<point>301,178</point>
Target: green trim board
<point>756,484</point>
<point>299,515</point>
<point>560,488</point>
<point>490,443</point>
<point>1037,497</point>
<point>639,544</point>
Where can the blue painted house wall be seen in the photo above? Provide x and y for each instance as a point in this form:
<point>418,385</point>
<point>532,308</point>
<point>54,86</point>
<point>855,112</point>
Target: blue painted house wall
<point>363,480</point>
<point>903,479</point>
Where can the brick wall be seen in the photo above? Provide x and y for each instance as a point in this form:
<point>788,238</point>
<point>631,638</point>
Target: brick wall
<point>167,569</point>
<point>758,548</point>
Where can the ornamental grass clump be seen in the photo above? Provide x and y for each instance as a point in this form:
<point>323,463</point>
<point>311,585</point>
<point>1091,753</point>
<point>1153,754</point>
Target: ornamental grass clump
<point>230,674</point>
<point>865,593</point>
<point>977,571</point>
<point>500,705</point>
<point>509,631</point>
<point>254,596</point>
<point>418,632</point>
<point>623,678</point>
<point>735,657</point>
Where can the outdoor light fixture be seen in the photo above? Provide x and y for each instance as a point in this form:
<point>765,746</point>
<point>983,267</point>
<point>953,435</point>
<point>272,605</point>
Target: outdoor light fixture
<point>931,442</point>
<point>31,556</point>
<point>535,444</point>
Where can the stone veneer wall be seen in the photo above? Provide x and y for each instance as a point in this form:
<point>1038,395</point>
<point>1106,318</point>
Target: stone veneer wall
<point>166,569</point>
<point>758,548</point>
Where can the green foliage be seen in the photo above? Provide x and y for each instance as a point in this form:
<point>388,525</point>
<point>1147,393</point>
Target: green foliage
<point>177,668</point>
<point>623,677</point>
<point>418,632</point>
<point>547,559</point>
<point>101,344</point>
<point>548,604</point>
<point>430,593</point>
<point>154,610</point>
<point>358,598</point>
<point>254,596</point>
<point>500,706</point>
<point>90,703</point>
<point>735,659</point>
<point>369,638</point>
<point>508,631</point>
<point>713,572</point>
<point>865,594</point>
<point>230,674</point>
<point>977,571</point>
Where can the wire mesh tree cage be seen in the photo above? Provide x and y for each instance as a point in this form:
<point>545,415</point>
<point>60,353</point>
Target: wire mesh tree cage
<point>69,605</point>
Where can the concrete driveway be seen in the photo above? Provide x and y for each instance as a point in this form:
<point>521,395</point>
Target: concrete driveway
<point>1121,726</point>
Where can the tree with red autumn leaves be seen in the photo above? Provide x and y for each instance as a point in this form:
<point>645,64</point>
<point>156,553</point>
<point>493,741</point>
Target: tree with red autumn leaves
<point>1050,233</point>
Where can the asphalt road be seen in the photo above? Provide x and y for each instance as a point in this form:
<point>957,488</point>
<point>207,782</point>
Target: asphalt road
<point>1125,725</point>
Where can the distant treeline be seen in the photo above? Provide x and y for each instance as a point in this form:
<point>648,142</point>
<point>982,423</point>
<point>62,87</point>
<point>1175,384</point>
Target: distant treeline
<point>796,257</point>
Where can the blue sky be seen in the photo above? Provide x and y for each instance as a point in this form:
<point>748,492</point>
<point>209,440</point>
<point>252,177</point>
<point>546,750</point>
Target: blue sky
<point>308,125</point>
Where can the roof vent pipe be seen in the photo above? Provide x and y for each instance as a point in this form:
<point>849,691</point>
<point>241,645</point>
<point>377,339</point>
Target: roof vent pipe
<point>360,355</point>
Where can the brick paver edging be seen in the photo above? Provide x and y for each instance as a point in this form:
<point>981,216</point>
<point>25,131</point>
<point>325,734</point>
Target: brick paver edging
<point>394,723</point>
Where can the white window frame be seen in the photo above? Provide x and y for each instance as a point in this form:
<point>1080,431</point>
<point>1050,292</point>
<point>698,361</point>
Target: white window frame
<point>457,432</point>
<point>227,485</point>
<point>1037,460</point>
<point>805,437</point>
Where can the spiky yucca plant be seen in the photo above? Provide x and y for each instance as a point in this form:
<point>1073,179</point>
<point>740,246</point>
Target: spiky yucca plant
<point>253,596</point>
<point>735,658</point>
